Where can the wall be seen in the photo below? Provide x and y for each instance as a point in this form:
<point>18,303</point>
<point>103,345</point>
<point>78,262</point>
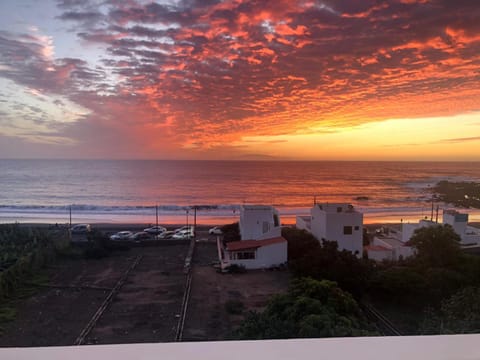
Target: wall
<point>378,255</point>
<point>266,256</point>
<point>302,224</point>
<point>252,221</point>
<point>403,251</point>
<point>330,226</point>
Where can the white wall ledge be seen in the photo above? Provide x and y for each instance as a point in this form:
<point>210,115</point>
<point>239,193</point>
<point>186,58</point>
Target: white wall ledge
<point>451,347</point>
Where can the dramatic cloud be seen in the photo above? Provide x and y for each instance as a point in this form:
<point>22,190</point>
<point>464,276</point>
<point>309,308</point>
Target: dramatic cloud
<point>195,75</point>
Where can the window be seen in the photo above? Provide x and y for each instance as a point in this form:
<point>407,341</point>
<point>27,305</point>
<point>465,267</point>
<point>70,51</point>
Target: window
<point>244,255</point>
<point>276,221</point>
<point>266,226</point>
<point>357,227</point>
<point>347,230</point>
<point>339,209</point>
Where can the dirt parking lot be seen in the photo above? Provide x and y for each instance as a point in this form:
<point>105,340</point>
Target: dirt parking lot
<point>147,307</point>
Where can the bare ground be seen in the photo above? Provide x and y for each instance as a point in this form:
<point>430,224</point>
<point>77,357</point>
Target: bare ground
<point>147,307</point>
<point>207,318</point>
<point>143,311</point>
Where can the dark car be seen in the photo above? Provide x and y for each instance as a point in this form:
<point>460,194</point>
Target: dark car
<point>81,229</point>
<point>139,236</point>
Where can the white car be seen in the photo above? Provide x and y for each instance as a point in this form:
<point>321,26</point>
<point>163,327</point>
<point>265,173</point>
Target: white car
<point>81,229</point>
<point>184,228</point>
<point>165,235</point>
<point>215,231</point>
<point>122,235</point>
<point>183,234</point>
<point>155,230</point>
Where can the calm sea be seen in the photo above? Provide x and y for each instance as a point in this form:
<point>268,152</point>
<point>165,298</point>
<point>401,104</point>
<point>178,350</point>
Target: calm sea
<point>129,191</point>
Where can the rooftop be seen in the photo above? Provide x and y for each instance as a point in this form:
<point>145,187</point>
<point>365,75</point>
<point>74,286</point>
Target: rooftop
<point>257,207</point>
<point>253,244</point>
<point>376,248</point>
<point>393,242</point>
<point>337,207</point>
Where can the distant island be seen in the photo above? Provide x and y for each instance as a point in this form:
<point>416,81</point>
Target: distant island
<point>362,198</point>
<point>461,193</point>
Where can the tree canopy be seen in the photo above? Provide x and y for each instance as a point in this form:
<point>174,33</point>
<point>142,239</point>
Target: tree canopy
<point>309,309</point>
<point>307,258</point>
<point>437,246</point>
<point>458,314</point>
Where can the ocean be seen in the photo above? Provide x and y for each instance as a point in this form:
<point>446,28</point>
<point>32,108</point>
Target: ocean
<point>130,191</point>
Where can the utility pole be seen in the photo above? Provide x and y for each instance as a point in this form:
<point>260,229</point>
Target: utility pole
<point>431,217</point>
<point>70,222</point>
<point>194,220</point>
<point>187,216</point>
<point>156,216</point>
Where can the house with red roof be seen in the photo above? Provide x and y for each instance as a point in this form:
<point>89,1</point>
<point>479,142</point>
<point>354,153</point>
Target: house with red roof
<point>261,245</point>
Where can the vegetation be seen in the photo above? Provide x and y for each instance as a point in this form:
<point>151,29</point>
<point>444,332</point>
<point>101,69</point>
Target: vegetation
<point>307,258</point>
<point>463,194</point>
<point>438,271</point>
<point>422,286</point>
<point>459,314</point>
<point>23,253</point>
<point>231,232</point>
<point>99,245</point>
<point>309,309</point>
<point>437,246</point>
<point>236,269</point>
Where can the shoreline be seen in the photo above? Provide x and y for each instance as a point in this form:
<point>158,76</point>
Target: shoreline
<point>212,217</point>
<point>141,225</point>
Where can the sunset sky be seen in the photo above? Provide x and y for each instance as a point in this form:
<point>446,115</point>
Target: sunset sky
<point>241,79</point>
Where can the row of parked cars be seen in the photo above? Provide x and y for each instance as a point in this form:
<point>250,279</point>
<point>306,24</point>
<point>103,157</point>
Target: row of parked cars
<point>160,233</point>
<point>154,232</point>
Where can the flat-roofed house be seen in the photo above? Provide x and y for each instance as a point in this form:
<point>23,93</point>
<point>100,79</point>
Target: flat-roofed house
<point>386,247</point>
<point>338,222</point>
<point>408,229</point>
<point>459,221</point>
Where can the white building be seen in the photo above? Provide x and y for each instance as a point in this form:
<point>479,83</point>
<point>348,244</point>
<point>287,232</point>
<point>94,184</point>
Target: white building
<point>408,229</point>
<point>255,254</point>
<point>378,253</point>
<point>335,222</point>
<point>388,247</point>
<point>259,222</point>
<point>261,244</point>
<point>459,221</point>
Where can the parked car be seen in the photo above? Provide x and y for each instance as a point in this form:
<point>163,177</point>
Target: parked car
<point>215,231</point>
<point>184,234</point>
<point>155,230</point>
<point>165,235</point>
<point>81,229</point>
<point>139,236</point>
<point>184,228</point>
<point>122,235</point>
